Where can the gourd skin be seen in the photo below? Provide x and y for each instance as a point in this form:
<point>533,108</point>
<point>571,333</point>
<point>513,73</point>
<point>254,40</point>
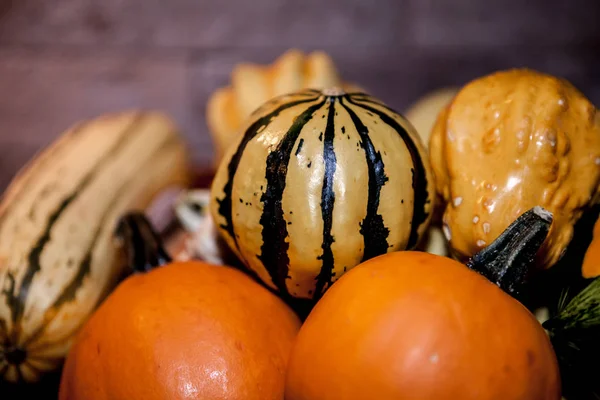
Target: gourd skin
<point>184,330</point>
<point>253,84</point>
<point>420,326</point>
<point>317,183</point>
<point>56,221</point>
<point>509,141</point>
<point>423,113</point>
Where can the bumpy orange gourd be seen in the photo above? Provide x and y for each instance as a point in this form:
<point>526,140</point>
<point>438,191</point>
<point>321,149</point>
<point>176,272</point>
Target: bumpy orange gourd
<point>185,330</point>
<point>506,142</point>
<point>413,325</point>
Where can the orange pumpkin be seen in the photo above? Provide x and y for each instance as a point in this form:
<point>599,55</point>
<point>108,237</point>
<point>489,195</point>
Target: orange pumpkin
<point>183,330</point>
<point>413,325</point>
<point>591,261</point>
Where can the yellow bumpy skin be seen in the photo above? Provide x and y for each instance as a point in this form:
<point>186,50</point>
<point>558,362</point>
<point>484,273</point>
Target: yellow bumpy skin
<point>510,141</point>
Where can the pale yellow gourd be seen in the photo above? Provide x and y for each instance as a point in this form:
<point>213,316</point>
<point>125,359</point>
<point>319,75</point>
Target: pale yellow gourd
<point>317,182</point>
<point>422,114</point>
<point>253,84</point>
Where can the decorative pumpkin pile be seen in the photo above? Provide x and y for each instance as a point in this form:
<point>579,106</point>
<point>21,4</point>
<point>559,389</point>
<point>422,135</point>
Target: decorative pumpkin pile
<point>306,272</point>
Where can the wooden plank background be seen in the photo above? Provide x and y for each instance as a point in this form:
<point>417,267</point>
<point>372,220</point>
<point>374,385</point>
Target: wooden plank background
<point>65,60</point>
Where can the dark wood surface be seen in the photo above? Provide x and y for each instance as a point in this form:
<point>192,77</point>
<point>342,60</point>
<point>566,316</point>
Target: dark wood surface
<point>66,60</point>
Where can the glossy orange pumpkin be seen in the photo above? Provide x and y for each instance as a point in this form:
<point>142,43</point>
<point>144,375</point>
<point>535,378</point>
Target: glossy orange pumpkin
<point>412,325</point>
<point>185,330</point>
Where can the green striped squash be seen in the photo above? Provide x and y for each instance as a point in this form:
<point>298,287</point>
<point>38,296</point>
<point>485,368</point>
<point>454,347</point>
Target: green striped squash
<point>57,217</point>
<point>317,182</point>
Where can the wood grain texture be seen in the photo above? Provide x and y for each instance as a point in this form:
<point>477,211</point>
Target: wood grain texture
<point>496,24</point>
<point>206,23</point>
<point>51,90</point>
<point>66,60</point>
<point>209,23</point>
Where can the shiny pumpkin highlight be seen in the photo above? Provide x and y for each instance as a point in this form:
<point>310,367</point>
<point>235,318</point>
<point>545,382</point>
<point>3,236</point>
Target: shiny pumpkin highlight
<point>180,330</point>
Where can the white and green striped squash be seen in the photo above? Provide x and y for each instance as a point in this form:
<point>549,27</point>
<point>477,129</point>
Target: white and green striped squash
<point>57,217</point>
<point>317,182</point>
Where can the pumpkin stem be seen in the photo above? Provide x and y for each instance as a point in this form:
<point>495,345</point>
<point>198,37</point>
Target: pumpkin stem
<point>142,244</point>
<point>507,260</point>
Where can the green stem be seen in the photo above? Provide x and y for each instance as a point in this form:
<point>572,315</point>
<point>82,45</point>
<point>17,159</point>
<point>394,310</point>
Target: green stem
<point>582,311</point>
<point>575,335</point>
<point>508,261</point>
<point>143,246</point>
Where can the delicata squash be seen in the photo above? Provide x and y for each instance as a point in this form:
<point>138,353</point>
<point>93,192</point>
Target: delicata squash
<point>509,141</point>
<point>56,223</point>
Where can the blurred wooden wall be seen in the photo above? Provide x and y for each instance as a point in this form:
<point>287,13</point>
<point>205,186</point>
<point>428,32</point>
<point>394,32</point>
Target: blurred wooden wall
<point>65,60</point>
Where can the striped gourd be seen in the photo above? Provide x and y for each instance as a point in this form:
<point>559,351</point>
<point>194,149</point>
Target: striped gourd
<point>57,260</point>
<point>317,182</point>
